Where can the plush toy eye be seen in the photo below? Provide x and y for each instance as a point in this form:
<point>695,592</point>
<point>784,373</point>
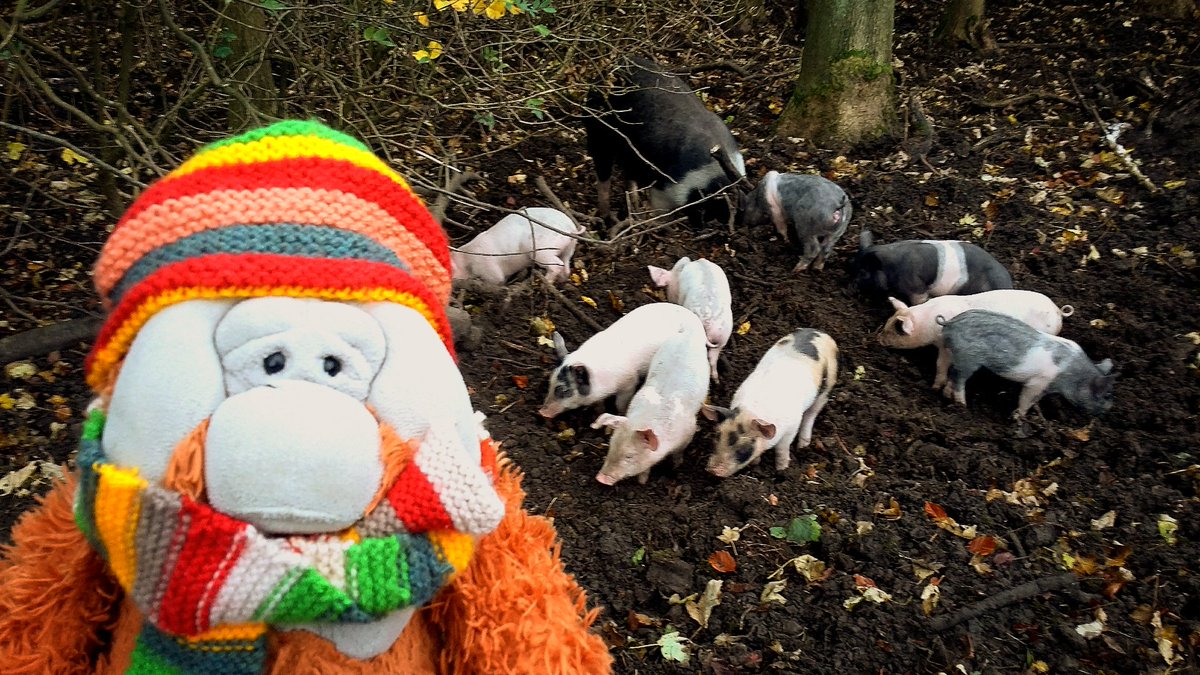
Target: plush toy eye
<point>274,362</point>
<point>332,366</point>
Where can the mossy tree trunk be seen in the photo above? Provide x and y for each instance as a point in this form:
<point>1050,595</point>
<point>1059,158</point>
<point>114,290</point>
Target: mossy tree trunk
<point>844,94</point>
<point>964,23</point>
<point>249,63</point>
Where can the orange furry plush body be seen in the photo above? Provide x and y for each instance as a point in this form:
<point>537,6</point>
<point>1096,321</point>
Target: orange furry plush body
<point>282,471</point>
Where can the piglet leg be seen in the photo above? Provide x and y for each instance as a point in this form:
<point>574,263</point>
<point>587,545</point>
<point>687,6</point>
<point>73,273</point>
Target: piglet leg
<point>713,353</point>
<point>1031,394</point>
<point>943,366</point>
<point>783,450</point>
<point>810,417</point>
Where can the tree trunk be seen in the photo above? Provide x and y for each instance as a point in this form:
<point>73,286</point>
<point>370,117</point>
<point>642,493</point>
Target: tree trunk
<point>250,65</point>
<point>964,23</point>
<point>844,93</point>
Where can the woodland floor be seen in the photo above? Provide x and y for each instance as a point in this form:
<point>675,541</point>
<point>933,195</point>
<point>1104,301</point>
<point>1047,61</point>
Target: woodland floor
<point>1034,184</point>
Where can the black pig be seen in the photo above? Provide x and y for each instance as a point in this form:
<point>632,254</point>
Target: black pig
<point>661,135</point>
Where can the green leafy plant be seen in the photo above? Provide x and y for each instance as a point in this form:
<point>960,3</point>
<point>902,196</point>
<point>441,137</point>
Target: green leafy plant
<point>801,530</point>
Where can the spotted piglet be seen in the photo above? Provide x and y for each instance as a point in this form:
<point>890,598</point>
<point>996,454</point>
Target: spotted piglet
<point>1015,351</point>
<point>779,401</point>
<point>916,270</point>
<point>611,361</point>
<point>536,236</point>
<point>701,286</point>
<point>811,208</point>
<point>913,327</point>
<point>662,415</point>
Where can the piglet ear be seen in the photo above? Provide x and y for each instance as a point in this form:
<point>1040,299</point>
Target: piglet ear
<point>648,437</point>
<point>659,276</point>
<point>560,345</point>
<point>1105,366</point>
<point>765,428</point>
<point>897,305</point>
<point>608,420</point>
<point>905,326</point>
<point>715,413</point>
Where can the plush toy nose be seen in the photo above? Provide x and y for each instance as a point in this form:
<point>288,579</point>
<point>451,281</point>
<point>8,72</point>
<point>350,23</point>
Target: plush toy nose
<point>293,458</point>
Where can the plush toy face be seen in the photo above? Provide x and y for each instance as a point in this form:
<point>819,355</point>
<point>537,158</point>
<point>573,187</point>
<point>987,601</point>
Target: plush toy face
<point>297,394</point>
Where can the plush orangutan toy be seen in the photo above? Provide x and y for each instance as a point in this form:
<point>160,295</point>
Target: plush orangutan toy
<point>282,471</point>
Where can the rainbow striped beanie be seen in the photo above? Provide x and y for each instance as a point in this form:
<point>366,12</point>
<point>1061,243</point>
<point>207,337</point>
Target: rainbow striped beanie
<point>293,209</point>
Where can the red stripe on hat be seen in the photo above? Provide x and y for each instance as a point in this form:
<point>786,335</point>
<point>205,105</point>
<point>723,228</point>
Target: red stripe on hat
<point>211,546</point>
<point>247,275</point>
<point>417,504</point>
<point>305,172</point>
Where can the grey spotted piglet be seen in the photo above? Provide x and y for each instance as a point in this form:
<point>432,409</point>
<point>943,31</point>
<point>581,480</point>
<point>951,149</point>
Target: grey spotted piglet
<point>701,286</point>
<point>915,270</point>
<point>812,209</point>
<point>777,403</point>
<point>662,415</point>
<point>1015,351</point>
<point>612,361</point>
<point>536,236</point>
<point>913,327</point>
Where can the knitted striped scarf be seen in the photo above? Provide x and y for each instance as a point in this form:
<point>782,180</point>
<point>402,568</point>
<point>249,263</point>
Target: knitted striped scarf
<point>209,584</point>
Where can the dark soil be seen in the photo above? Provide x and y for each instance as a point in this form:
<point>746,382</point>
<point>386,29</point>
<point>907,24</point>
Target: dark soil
<point>1033,183</point>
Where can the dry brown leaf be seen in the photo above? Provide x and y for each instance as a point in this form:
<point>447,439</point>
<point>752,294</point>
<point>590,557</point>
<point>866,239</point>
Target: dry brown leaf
<point>722,561</point>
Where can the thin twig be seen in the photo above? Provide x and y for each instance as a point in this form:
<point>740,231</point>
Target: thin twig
<point>1110,139</point>
<point>570,306</point>
<point>74,148</point>
<point>1013,595</point>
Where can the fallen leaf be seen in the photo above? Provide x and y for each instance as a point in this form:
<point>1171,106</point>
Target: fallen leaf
<point>71,157</point>
<point>1084,434</point>
<point>638,556</point>
<point>722,561</point>
<point>672,647</point>
<point>891,511</point>
<point>545,341</point>
<point>617,303</point>
<point>542,325</point>
<point>859,372</point>
<point>1167,526</point>
<point>743,328</point>
<point>729,535</point>
<point>634,621</point>
<point>16,479</point>
<point>1105,521</point>
<point>982,546</point>
<point>923,570</point>
<point>15,149</point>
<point>517,179</point>
<point>930,595</point>
<point>587,301</point>
<point>1174,184</point>
<point>1165,638</point>
<point>701,610</point>
<point>771,592</point>
<point>810,568</point>
<point>521,381</point>
<point>934,511</point>
<point>20,370</point>
<point>931,200</point>
<point>862,527</point>
<point>979,565</point>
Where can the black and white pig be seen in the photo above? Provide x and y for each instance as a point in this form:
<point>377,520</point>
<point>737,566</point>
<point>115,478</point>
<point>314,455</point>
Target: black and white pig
<point>1016,351</point>
<point>810,208</point>
<point>612,361</point>
<point>660,134</point>
<point>776,404</point>
<point>915,270</point>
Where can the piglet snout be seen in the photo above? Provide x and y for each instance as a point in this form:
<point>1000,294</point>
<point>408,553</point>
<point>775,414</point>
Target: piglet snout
<point>605,478</point>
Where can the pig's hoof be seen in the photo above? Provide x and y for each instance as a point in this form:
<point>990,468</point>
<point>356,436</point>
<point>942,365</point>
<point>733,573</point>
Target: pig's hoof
<point>800,267</point>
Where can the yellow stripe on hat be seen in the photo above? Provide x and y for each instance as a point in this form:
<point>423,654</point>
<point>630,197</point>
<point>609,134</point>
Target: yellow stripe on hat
<point>107,357</point>
<point>234,632</point>
<point>276,148</point>
<point>455,548</point>
<point>118,502</point>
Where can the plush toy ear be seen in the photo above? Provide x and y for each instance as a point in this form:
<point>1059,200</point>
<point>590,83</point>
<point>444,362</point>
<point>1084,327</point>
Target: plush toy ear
<point>170,382</point>
<point>419,381</point>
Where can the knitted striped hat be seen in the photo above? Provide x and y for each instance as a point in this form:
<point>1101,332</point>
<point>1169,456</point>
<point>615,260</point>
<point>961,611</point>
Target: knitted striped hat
<point>294,209</point>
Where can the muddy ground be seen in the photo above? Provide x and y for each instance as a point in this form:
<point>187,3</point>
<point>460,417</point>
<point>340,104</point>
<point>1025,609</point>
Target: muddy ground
<point>1033,182</point>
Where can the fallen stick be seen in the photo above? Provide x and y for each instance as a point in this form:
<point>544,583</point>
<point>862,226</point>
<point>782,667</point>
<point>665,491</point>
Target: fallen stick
<point>438,208</point>
<point>574,215</point>
<point>45,339</point>
<point>570,306</point>
<point>1111,132</point>
<point>1013,595</point>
